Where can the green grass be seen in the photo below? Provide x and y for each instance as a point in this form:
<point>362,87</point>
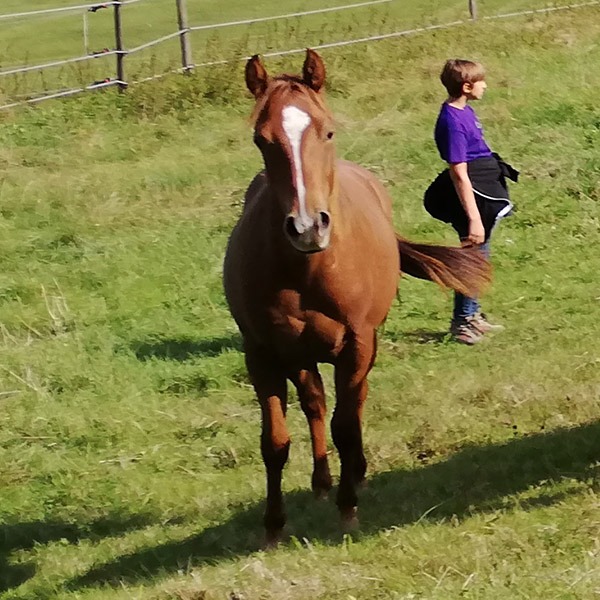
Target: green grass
<point>129,457</point>
<point>45,38</point>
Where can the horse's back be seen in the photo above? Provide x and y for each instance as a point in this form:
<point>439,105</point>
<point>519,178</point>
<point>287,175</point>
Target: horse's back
<point>358,184</point>
<point>370,236</point>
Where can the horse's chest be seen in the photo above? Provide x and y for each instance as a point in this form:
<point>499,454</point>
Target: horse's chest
<point>297,327</point>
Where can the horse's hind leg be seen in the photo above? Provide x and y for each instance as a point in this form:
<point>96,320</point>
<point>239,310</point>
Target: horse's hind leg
<point>351,387</point>
<point>311,393</point>
<point>270,385</point>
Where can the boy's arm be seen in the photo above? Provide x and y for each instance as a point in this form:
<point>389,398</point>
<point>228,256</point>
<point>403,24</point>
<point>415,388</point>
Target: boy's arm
<point>464,189</point>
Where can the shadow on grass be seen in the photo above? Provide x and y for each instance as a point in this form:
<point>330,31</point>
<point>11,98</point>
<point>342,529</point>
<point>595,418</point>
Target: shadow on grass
<point>185,348</point>
<point>477,479</point>
<point>419,336</point>
<point>24,536</point>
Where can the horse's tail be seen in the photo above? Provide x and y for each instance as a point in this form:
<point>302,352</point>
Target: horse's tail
<point>465,270</point>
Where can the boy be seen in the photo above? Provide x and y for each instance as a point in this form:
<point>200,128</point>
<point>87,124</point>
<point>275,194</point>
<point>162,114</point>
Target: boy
<point>471,193</point>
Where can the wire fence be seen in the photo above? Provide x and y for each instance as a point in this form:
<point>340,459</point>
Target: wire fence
<point>120,52</point>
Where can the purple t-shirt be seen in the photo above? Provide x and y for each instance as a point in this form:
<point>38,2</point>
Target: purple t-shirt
<point>459,135</point>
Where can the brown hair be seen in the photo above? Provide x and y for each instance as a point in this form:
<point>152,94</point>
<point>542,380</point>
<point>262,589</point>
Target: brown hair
<point>457,72</point>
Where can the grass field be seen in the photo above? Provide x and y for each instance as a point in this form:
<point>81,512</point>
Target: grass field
<point>129,455</point>
<point>45,38</point>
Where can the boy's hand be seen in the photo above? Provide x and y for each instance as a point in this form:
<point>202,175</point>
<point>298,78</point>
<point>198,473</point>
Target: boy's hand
<point>460,177</point>
<point>476,233</point>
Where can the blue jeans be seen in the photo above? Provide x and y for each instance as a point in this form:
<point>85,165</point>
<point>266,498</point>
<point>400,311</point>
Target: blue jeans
<point>463,305</point>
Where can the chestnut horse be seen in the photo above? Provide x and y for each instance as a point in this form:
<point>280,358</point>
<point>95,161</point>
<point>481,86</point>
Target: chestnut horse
<point>310,273</point>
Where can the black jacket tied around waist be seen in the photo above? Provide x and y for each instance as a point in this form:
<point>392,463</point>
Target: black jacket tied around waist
<point>488,176</point>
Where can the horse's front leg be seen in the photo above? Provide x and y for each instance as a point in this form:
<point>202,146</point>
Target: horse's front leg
<point>351,387</point>
<point>311,394</point>
<point>269,381</point>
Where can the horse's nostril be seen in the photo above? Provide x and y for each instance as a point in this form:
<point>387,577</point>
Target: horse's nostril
<point>290,227</point>
<point>325,219</point>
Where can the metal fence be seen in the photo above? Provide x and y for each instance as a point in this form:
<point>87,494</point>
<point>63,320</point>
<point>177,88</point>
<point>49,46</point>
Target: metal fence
<point>120,52</point>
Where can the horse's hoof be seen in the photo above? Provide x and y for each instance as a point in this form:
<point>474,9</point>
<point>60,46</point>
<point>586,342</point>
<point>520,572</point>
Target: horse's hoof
<point>321,484</point>
<point>350,519</point>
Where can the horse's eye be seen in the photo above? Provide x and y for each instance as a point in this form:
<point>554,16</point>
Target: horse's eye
<point>330,135</point>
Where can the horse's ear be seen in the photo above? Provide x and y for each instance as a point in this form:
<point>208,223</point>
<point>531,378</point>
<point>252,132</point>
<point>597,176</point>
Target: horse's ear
<point>257,78</point>
<point>313,71</point>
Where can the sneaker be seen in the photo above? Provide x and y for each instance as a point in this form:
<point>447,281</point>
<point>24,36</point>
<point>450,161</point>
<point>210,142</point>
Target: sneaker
<point>480,321</point>
<point>465,332</point>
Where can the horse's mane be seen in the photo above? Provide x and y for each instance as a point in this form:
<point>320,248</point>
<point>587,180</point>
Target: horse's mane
<point>279,87</point>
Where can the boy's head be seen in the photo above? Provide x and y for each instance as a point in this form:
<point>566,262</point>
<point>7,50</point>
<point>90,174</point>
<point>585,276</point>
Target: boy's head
<point>456,73</point>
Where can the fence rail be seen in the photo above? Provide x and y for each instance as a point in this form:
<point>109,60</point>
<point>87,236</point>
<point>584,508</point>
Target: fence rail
<point>65,93</point>
<point>64,9</point>
<point>120,52</point>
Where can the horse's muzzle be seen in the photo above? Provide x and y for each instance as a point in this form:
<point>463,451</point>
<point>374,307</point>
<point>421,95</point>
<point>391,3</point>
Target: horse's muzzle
<point>308,234</point>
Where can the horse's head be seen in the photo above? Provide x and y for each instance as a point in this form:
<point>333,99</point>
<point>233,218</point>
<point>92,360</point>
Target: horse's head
<point>294,130</point>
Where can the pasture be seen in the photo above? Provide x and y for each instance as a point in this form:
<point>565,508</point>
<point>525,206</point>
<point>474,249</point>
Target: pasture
<point>129,435</point>
<point>61,35</point>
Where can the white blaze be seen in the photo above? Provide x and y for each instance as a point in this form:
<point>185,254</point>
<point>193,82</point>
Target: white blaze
<point>295,122</point>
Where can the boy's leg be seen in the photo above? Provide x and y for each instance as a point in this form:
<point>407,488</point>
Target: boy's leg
<point>479,320</point>
<point>466,312</point>
<point>464,307</point>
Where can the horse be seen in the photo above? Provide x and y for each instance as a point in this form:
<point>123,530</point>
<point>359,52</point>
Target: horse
<point>310,272</point>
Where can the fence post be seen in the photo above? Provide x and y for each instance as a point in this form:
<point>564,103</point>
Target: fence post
<point>184,36</point>
<point>473,9</point>
<point>119,47</point>
<point>85,33</point>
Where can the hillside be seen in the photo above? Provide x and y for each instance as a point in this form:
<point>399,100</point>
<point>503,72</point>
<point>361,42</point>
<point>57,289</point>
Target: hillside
<point>129,441</point>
